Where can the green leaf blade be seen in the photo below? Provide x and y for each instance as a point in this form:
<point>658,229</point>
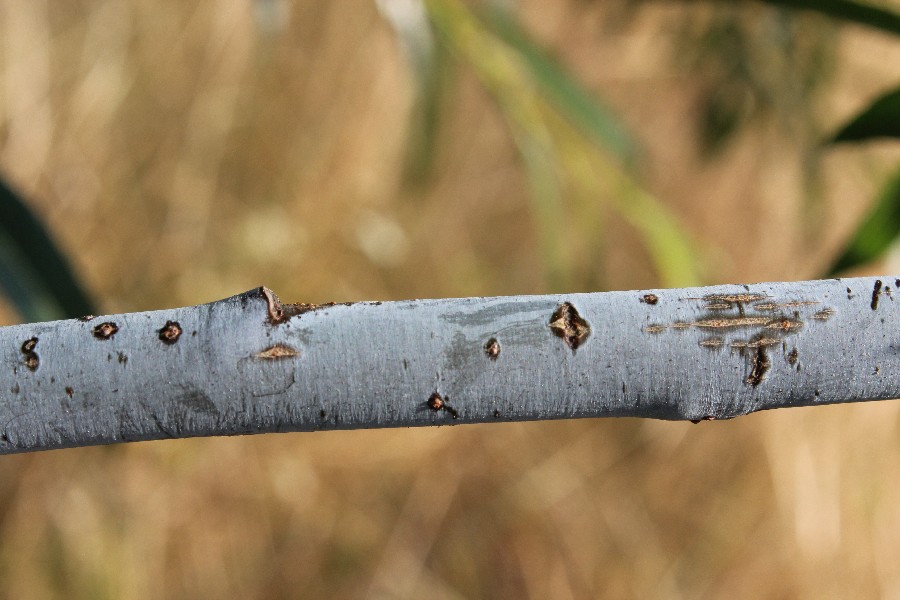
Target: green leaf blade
<point>880,120</point>
<point>33,272</point>
<point>587,113</point>
<point>877,232</point>
<point>861,13</point>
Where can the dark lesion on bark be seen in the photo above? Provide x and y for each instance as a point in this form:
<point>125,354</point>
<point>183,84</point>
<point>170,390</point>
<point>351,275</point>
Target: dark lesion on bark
<point>569,325</point>
<point>492,348</point>
<point>31,358</point>
<point>876,292</point>
<point>170,332</point>
<point>436,402</point>
<point>105,331</point>
<point>759,366</point>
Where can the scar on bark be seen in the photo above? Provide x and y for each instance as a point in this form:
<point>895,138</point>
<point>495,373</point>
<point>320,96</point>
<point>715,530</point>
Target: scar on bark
<point>276,352</point>
<point>31,358</point>
<point>104,331</point>
<point>569,325</point>
<point>437,402</point>
<point>824,314</point>
<point>492,348</point>
<point>279,312</point>
<point>170,332</point>
<point>761,364</point>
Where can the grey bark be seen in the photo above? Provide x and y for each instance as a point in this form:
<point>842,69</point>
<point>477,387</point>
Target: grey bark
<point>249,364</point>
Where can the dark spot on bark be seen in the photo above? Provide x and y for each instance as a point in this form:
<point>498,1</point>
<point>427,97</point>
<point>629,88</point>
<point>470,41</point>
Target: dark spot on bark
<point>816,393</point>
<point>105,331</point>
<point>497,414</point>
<point>405,364</point>
<point>322,414</point>
<point>436,402</point>
<point>69,391</point>
<point>650,299</point>
<point>492,348</point>
<point>170,332</point>
<point>759,366</point>
<point>792,357</point>
<point>32,361</point>
<point>568,324</point>
<point>123,358</point>
<point>876,292</point>
<point>15,388</point>
<point>877,370</point>
<point>897,283</point>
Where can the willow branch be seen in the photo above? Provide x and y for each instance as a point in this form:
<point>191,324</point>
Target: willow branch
<point>250,364</point>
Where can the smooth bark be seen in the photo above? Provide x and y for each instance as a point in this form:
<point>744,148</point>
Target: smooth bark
<point>249,364</point>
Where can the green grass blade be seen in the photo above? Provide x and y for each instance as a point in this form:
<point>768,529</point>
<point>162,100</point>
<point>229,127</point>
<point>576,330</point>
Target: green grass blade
<point>877,232</point>
<point>433,72</point>
<point>580,107</point>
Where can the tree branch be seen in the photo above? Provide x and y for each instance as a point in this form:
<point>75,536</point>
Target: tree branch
<point>249,364</point>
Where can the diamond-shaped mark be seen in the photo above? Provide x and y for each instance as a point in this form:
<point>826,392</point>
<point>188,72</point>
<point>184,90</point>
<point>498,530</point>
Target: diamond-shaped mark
<point>569,325</point>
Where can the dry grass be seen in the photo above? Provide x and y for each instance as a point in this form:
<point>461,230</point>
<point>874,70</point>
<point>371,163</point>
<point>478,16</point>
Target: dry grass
<point>183,152</point>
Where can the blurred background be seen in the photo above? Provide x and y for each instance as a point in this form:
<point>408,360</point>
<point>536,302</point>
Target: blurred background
<point>177,153</point>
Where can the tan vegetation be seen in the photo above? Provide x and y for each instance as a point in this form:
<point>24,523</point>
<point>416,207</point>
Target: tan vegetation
<point>183,152</point>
